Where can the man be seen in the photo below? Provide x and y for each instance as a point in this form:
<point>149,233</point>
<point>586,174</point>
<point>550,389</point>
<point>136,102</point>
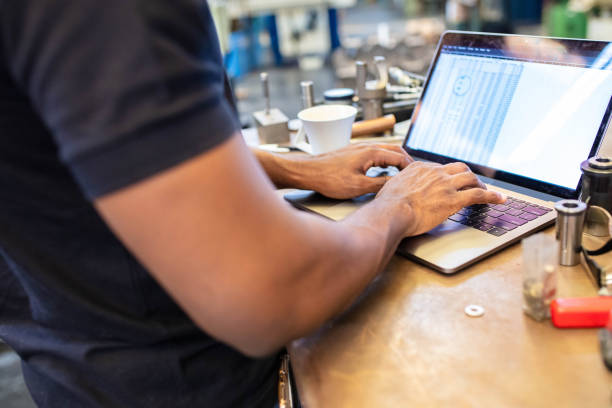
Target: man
<point>113,114</point>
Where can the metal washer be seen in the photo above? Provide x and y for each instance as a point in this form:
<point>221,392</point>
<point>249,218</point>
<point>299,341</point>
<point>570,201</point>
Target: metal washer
<point>474,310</point>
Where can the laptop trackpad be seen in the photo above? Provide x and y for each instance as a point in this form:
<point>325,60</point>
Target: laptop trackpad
<point>327,207</point>
<point>449,246</point>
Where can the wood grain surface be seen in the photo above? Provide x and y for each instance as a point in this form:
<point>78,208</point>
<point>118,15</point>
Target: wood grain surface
<point>408,343</point>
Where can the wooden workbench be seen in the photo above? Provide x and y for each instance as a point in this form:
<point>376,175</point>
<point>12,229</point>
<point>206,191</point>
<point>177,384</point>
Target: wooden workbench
<point>408,343</point>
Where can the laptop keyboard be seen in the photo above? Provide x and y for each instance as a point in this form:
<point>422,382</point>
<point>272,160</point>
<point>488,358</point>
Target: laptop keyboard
<point>497,219</point>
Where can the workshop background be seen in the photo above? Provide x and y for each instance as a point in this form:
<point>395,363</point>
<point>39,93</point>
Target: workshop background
<point>320,41</point>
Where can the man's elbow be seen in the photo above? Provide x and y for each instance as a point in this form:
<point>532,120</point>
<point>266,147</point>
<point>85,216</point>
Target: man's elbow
<point>259,348</point>
<point>258,344</point>
<point>258,338</point>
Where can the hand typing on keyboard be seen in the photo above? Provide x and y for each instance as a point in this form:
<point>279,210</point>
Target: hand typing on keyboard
<point>428,193</point>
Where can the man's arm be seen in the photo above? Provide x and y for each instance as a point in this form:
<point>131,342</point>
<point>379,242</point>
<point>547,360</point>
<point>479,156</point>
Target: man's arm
<point>252,271</point>
<point>337,174</point>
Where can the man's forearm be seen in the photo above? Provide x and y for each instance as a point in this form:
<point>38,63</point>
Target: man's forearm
<point>335,265</point>
<point>325,265</point>
<point>285,171</point>
<point>338,174</point>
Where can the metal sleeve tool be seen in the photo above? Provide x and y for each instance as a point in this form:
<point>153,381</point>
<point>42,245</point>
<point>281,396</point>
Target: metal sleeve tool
<point>570,220</point>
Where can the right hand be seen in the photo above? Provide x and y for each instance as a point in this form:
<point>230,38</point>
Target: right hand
<point>426,194</point>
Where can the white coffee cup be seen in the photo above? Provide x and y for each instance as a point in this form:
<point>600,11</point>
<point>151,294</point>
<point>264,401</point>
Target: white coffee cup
<point>328,127</point>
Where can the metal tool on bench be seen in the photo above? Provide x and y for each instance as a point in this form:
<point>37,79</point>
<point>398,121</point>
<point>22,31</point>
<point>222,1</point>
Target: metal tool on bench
<point>597,191</point>
<point>372,93</point>
<point>272,124</point>
<point>597,194</point>
<point>394,91</point>
<point>308,99</point>
<point>570,221</point>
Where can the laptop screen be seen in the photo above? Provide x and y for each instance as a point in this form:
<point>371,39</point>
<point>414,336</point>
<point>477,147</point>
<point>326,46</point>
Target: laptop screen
<point>522,109</point>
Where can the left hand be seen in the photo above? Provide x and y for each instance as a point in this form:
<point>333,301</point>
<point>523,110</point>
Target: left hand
<point>341,173</point>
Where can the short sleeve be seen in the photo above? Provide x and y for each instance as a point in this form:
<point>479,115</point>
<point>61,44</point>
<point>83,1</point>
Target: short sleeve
<point>127,88</point>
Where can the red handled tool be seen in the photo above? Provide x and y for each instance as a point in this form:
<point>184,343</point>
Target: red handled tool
<point>581,312</point>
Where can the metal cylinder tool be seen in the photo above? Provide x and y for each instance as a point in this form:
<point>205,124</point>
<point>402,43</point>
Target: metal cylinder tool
<point>597,182</point>
<point>266,89</point>
<point>570,221</point>
<point>307,88</point>
<point>597,191</point>
<point>372,93</point>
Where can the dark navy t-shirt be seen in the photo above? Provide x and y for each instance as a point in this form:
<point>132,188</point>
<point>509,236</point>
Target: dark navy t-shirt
<point>96,95</point>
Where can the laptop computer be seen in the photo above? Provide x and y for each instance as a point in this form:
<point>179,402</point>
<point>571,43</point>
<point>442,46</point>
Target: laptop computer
<point>523,112</point>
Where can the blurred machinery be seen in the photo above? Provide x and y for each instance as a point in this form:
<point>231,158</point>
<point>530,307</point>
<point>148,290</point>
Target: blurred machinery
<point>379,90</point>
<point>251,31</point>
<point>600,22</point>
<point>409,45</point>
<point>405,40</point>
<point>580,19</point>
<point>492,15</point>
<point>372,93</point>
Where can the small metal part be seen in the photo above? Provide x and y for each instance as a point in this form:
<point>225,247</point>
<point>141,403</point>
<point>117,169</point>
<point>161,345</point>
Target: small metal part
<point>383,73</point>
<point>272,126</point>
<point>404,78</point>
<point>307,89</point>
<point>474,310</point>
<point>570,221</point>
<point>266,89</point>
<point>600,162</point>
<point>372,93</point>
